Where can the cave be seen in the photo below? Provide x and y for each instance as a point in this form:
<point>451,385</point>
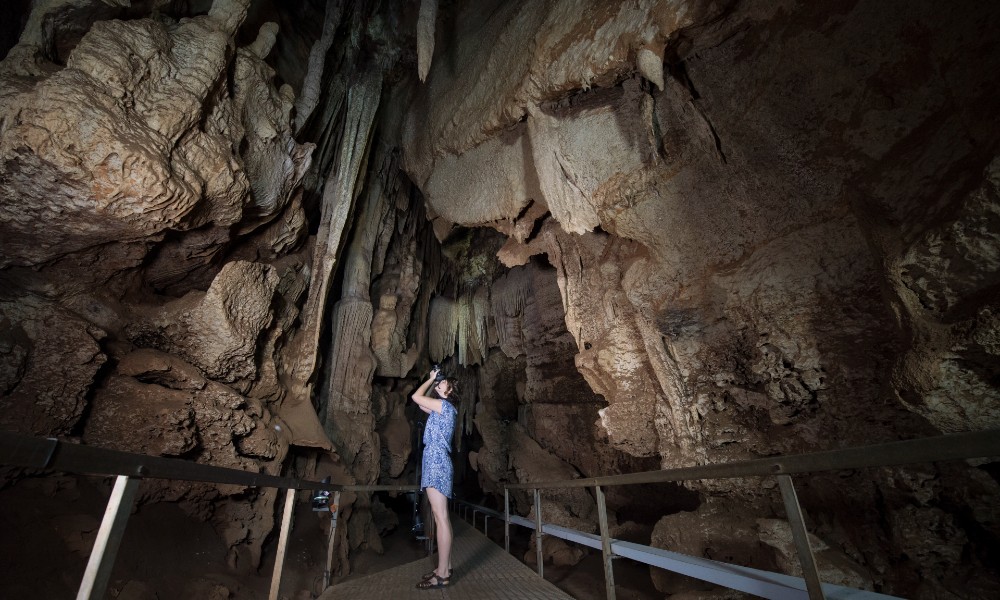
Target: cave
<point>639,235</point>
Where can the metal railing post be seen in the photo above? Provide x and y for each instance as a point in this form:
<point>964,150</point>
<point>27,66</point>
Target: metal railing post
<point>109,537</point>
<point>801,537</point>
<point>486,525</point>
<point>279,559</point>
<point>474,511</point>
<point>609,572</point>
<point>538,532</point>
<point>506,519</point>
<point>334,514</point>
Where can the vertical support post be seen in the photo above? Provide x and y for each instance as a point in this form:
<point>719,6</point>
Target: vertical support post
<point>609,572</point>
<point>538,532</point>
<point>279,559</point>
<point>506,519</point>
<point>109,537</point>
<point>486,525</point>
<point>334,513</point>
<point>801,537</point>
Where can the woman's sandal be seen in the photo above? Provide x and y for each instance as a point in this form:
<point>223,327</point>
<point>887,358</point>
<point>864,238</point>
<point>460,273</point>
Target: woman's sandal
<point>434,582</point>
<point>430,574</point>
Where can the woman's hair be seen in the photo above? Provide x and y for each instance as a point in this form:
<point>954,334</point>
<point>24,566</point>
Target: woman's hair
<point>451,397</point>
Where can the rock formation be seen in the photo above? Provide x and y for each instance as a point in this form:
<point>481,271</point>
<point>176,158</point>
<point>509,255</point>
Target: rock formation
<point>640,235</point>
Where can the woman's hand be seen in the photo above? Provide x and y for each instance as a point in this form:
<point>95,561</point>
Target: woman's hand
<point>426,403</point>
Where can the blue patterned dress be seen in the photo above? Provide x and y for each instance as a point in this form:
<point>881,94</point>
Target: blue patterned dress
<point>437,469</point>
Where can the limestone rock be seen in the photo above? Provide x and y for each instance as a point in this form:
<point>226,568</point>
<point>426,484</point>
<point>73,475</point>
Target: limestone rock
<point>116,184</point>
<point>217,330</point>
<point>718,530</point>
<point>49,358</point>
<point>569,507</point>
<point>834,567</point>
<point>137,590</point>
<point>163,424</point>
<point>395,437</point>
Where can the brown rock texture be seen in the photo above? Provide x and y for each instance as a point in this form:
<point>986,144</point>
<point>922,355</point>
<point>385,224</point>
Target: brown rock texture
<point>150,211</point>
<point>773,230</point>
<point>639,235</point>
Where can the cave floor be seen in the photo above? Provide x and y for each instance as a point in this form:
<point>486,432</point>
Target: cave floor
<point>482,571</point>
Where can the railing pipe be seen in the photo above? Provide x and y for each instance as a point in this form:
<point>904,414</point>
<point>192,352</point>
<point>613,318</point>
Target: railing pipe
<point>609,572</point>
<point>279,559</point>
<point>506,520</point>
<point>538,532</point>
<point>50,453</point>
<point>801,538</point>
<point>334,515</point>
<point>109,537</point>
<point>946,447</point>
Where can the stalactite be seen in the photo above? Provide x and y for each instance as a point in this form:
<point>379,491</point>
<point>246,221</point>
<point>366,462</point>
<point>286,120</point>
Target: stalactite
<point>352,364</point>
<point>350,418</point>
<point>650,66</point>
<point>442,328</point>
<point>463,314</point>
<point>472,314</point>
<point>338,198</point>
<point>481,316</point>
<point>312,86</point>
<point>417,335</point>
<point>325,126</point>
<point>350,387</point>
<point>468,383</point>
<point>399,282</point>
<point>508,296</point>
<point>370,224</point>
<point>425,37</point>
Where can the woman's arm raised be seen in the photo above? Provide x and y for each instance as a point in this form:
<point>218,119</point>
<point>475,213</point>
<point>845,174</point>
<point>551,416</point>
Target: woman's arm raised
<point>426,403</point>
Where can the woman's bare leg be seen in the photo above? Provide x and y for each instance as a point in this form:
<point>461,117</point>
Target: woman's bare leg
<point>439,505</point>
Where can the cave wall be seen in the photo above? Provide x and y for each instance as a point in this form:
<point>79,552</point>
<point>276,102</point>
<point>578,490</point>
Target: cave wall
<point>155,254</point>
<point>207,252</point>
<point>773,228</point>
<point>687,232</point>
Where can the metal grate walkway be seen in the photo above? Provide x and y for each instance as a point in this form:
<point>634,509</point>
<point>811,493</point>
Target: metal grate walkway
<point>482,570</point>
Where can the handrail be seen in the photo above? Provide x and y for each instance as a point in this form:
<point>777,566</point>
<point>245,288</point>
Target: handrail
<point>933,449</point>
<point>56,455</point>
<point>957,446</point>
<point>51,453</point>
<point>745,579</point>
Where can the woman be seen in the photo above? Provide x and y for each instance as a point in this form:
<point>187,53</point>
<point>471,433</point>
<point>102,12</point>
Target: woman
<point>437,470</point>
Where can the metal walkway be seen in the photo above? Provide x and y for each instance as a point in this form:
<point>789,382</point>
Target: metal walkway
<point>482,571</point>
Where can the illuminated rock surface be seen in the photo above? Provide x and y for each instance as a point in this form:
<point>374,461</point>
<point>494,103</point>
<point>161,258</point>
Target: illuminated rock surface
<point>640,235</point>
